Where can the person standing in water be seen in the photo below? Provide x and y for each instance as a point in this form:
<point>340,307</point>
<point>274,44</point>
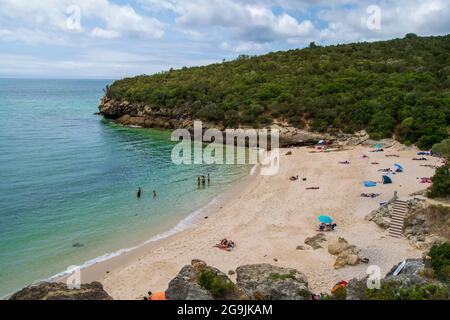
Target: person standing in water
<point>154,194</point>
<point>139,193</point>
<point>203,180</point>
<point>199,181</point>
<point>209,179</point>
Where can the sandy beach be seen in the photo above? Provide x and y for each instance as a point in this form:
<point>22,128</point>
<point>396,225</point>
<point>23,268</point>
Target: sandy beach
<point>268,217</point>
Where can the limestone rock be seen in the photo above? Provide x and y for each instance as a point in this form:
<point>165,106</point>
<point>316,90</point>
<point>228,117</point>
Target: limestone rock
<point>267,282</point>
<point>185,286</point>
<point>60,291</point>
<point>315,241</point>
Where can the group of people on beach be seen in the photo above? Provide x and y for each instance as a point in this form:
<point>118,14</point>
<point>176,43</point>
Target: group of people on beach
<point>201,180</point>
<point>140,192</point>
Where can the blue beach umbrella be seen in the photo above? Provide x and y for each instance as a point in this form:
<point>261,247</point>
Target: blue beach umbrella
<point>325,219</point>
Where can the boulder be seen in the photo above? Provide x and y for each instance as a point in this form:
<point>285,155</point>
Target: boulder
<point>267,282</point>
<point>347,255</point>
<point>187,284</point>
<point>337,247</point>
<point>315,241</point>
<point>60,291</point>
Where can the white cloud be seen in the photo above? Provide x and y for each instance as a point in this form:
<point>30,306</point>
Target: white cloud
<point>247,21</point>
<point>51,15</point>
<point>105,34</point>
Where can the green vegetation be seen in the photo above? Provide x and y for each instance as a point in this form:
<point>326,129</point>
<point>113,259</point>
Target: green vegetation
<point>441,183</point>
<point>339,294</point>
<point>442,149</point>
<point>390,291</point>
<point>277,276</point>
<point>440,257</point>
<point>219,286</point>
<point>396,87</point>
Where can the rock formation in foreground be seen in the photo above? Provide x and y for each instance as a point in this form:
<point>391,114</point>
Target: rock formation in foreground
<point>60,291</point>
<point>199,281</point>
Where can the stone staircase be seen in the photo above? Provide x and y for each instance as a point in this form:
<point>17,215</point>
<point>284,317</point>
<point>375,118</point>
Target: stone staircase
<point>397,219</point>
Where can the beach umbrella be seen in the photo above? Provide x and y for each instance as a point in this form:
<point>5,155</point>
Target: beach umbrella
<point>325,219</point>
<point>399,166</point>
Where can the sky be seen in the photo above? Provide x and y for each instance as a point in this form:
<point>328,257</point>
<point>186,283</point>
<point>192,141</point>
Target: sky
<point>112,39</point>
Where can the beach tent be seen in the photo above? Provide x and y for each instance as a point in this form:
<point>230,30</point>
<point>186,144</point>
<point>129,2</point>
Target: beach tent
<point>378,146</point>
<point>387,180</point>
<point>325,219</point>
<point>322,142</point>
<point>370,184</point>
<point>399,167</point>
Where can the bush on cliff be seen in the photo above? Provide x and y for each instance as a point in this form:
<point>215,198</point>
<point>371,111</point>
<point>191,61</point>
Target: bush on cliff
<point>442,149</point>
<point>219,286</point>
<point>441,183</point>
<point>390,291</point>
<point>440,256</point>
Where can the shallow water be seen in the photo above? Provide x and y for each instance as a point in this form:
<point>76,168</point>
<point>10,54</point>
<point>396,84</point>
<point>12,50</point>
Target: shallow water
<point>69,177</point>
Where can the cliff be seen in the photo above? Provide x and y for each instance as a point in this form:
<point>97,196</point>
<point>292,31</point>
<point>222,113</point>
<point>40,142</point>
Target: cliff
<point>145,116</point>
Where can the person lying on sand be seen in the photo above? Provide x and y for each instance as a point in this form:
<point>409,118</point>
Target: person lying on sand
<point>344,162</point>
<point>377,150</point>
<point>324,227</point>
<point>393,156</point>
<point>370,195</point>
<point>293,178</point>
<point>420,159</point>
<point>313,188</point>
<point>385,170</point>
<point>375,163</point>
<point>426,180</point>
<point>226,245</point>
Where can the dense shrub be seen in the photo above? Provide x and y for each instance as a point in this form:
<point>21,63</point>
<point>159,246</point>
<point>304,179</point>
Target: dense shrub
<point>442,149</point>
<point>440,256</point>
<point>392,87</point>
<point>441,183</point>
<point>391,291</point>
<point>219,286</point>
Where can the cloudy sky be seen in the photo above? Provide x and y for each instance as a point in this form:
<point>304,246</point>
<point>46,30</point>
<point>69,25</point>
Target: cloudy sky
<point>116,38</point>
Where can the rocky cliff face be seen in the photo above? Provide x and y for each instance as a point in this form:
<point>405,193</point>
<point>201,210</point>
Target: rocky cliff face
<point>60,291</point>
<point>141,115</point>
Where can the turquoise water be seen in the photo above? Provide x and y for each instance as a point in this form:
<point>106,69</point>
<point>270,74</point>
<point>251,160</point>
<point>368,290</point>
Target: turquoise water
<point>67,176</point>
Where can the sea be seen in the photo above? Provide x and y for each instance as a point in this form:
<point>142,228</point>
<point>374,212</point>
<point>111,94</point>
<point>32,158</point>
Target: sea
<point>69,178</point>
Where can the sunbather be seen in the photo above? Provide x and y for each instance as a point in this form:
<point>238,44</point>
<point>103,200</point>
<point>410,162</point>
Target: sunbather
<point>370,195</point>
<point>344,162</point>
<point>294,178</point>
<point>313,188</point>
<point>420,159</point>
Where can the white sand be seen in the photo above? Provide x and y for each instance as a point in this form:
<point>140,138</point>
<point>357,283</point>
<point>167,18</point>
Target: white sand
<point>271,216</point>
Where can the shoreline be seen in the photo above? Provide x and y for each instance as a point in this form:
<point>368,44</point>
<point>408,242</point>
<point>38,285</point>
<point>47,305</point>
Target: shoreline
<point>96,268</point>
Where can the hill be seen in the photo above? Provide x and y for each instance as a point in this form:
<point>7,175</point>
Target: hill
<point>398,87</point>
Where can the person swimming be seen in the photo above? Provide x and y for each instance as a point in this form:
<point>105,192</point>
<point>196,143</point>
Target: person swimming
<point>139,193</point>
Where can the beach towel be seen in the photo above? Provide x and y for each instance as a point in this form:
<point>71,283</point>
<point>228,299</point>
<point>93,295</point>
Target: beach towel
<point>370,184</point>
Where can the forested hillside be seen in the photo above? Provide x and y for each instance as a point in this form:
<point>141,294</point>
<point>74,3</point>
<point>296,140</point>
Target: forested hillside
<point>399,87</point>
